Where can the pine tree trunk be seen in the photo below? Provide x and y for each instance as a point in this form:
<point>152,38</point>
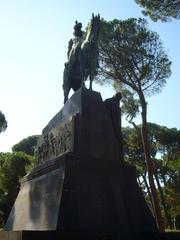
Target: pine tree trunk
<point>148,190</point>
<point>163,202</point>
<point>149,166</point>
<point>149,193</point>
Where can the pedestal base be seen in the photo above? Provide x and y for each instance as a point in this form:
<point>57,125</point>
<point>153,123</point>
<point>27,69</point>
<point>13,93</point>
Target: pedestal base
<point>82,195</point>
<point>81,184</point>
<point>54,235</point>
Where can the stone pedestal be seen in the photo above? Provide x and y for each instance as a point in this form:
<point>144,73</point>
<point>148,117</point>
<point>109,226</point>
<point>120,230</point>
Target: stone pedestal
<point>80,184</point>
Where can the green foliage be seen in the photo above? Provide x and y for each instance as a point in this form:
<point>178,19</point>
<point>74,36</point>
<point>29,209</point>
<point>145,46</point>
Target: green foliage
<point>13,166</point>
<point>134,152</point>
<point>169,142</point>
<point>164,10</point>
<point>133,148</point>
<point>133,56</point>
<point>175,164</point>
<point>164,143</point>
<point>173,194</point>
<point>27,145</point>
<point>3,122</point>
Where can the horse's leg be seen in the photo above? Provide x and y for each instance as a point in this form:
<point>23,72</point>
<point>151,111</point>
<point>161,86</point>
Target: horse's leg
<point>82,83</point>
<point>82,75</point>
<point>91,77</point>
<point>66,84</point>
<point>82,68</point>
<point>90,82</point>
<point>65,97</point>
<point>66,92</point>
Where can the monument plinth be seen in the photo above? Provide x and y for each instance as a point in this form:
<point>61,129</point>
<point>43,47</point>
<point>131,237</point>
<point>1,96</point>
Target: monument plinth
<point>80,183</point>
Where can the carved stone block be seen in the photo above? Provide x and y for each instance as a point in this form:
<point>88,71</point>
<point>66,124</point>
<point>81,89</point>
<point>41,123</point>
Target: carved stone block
<point>58,141</point>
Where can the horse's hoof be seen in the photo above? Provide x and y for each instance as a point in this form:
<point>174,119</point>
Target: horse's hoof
<point>90,87</point>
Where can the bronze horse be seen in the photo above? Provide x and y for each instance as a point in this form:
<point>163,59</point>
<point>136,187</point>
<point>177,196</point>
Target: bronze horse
<point>82,57</point>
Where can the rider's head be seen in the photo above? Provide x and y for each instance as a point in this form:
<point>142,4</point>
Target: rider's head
<point>77,29</point>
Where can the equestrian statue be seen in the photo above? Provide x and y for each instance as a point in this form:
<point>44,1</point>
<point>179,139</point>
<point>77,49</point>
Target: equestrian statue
<point>82,57</point>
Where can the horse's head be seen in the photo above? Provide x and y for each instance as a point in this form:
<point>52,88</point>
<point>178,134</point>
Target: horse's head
<point>94,27</point>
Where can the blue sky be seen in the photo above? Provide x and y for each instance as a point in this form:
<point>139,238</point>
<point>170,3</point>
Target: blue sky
<point>33,46</point>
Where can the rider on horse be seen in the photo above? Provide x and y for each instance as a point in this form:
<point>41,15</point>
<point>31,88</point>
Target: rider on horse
<point>82,57</point>
<point>75,43</point>
<point>72,64</point>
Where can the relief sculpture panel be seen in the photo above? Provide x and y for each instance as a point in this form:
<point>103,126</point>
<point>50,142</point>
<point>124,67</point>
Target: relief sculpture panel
<point>58,141</point>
